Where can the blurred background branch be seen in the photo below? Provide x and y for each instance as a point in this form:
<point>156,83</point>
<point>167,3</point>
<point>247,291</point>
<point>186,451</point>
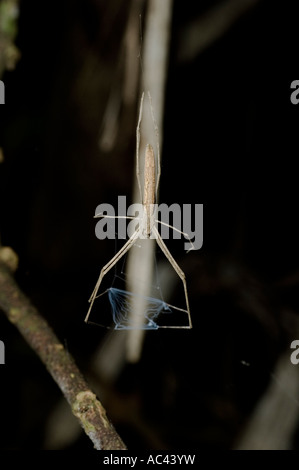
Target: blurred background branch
<point>9,53</point>
<point>203,31</point>
<point>274,420</point>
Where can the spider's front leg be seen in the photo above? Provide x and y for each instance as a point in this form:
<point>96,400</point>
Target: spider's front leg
<point>110,265</point>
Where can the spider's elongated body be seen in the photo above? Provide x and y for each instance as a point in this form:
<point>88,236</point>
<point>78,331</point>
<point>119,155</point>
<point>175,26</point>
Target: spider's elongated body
<point>147,223</point>
<point>149,189</point>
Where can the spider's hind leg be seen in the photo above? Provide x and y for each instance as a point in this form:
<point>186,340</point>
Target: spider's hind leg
<point>177,269</point>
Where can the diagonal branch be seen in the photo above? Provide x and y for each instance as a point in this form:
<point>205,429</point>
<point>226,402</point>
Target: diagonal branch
<point>40,336</point>
<point>203,31</point>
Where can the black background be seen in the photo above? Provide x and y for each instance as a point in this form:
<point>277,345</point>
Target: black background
<point>230,140</point>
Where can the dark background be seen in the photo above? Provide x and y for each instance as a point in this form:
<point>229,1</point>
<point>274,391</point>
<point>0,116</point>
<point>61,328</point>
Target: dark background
<point>230,140</point>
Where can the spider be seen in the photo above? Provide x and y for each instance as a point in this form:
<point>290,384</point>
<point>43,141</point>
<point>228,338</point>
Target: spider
<point>147,222</point>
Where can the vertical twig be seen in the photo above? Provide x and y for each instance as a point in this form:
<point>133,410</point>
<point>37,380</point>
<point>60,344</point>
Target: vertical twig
<point>154,63</point>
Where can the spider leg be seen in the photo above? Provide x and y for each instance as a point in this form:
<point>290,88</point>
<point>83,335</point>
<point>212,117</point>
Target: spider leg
<point>179,231</point>
<point>110,265</point>
<point>105,216</point>
<point>177,269</point>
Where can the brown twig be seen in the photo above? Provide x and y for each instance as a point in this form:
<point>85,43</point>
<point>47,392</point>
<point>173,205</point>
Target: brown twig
<point>40,336</point>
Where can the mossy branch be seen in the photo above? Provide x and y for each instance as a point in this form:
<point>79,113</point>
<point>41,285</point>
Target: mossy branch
<point>40,336</point>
